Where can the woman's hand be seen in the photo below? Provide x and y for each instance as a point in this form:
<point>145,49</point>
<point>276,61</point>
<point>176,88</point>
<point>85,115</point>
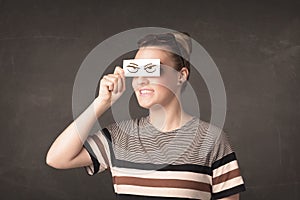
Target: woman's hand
<point>67,150</point>
<point>112,86</point>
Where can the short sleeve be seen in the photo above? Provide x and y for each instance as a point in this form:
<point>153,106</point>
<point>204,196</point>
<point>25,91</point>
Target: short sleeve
<point>226,175</point>
<point>97,146</point>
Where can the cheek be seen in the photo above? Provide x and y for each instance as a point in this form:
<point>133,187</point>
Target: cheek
<point>165,82</point>
<point>133,83</point>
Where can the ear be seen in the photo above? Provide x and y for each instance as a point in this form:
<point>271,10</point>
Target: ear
<point>182,75</point>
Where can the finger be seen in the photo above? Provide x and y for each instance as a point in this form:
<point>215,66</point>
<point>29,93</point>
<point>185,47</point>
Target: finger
<point>120,84</point>
<point>123,83</point>
<point>108,83</point>
<point>120,81</point>
<point>104,89</point>
<point>114,79</point>
<point>118,70</point>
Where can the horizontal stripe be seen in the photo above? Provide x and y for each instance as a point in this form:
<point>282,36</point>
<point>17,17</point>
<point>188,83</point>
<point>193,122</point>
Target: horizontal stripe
<point>89,170</point>
<point>94,167</point>
<point>162,192</point>
<point>229,192</point>
<point>97,152</point>
<point>142,197</point>
<point>226,159</point>
<point>227,176</point>
<point>169,183</point>
<point>225,169</point>
<point>107,134</point>
<point>87,146</point>
<point>181,175</point>
<point>228,184</point>
<point>101,148</point>
<point>105,141</point>
<point>163,167</point>
<point>108,138</point>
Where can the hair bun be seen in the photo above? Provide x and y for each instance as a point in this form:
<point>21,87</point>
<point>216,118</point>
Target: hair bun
<point>185,41</point>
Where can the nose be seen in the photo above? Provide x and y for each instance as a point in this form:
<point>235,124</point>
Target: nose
<point>139,81</point>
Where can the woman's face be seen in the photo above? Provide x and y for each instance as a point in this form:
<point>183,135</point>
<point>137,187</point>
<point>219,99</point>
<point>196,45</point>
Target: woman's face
<point>156,90</point>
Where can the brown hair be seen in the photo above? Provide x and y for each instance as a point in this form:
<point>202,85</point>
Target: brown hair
<point>179,44</point>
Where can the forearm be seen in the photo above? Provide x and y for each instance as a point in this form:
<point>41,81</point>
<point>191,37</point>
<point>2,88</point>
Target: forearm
<point>69,143</point>
<point>233,197</point>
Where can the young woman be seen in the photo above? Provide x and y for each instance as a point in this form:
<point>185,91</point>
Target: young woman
<point>168,154</point>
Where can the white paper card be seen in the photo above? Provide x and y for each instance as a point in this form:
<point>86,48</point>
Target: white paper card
<point>141,67</point>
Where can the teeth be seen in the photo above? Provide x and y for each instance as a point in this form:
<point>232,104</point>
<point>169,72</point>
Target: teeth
<point>145,91</point>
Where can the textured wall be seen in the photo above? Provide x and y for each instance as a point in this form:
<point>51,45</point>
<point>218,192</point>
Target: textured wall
<point>43,43</point>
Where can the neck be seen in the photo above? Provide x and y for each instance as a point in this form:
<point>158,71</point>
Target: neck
<point>168,117</point>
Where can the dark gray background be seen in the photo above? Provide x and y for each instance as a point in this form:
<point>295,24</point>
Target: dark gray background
<point>255,44</point>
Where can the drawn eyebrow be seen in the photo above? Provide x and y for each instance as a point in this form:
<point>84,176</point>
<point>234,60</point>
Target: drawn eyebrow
<point>134,64</point>
<point>149,65</point>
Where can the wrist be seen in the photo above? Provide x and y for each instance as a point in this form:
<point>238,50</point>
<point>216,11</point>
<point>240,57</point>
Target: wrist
<point>100,106</point>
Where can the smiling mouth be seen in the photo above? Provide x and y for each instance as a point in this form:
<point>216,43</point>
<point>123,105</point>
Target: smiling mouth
<point>146,91</point>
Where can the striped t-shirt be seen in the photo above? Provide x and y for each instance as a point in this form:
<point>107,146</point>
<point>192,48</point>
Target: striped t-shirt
<point>195,161</point>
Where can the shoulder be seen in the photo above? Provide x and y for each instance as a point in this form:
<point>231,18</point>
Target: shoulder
<point>209,130</point>
<point>123,127</point>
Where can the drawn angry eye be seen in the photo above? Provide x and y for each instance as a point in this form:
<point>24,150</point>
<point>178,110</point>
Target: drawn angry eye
<point>150,68</point>
<point>133,68</point>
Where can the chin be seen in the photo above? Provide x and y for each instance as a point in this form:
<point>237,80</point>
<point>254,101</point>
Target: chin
<point>148,105</point>
<point>145,104</point>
